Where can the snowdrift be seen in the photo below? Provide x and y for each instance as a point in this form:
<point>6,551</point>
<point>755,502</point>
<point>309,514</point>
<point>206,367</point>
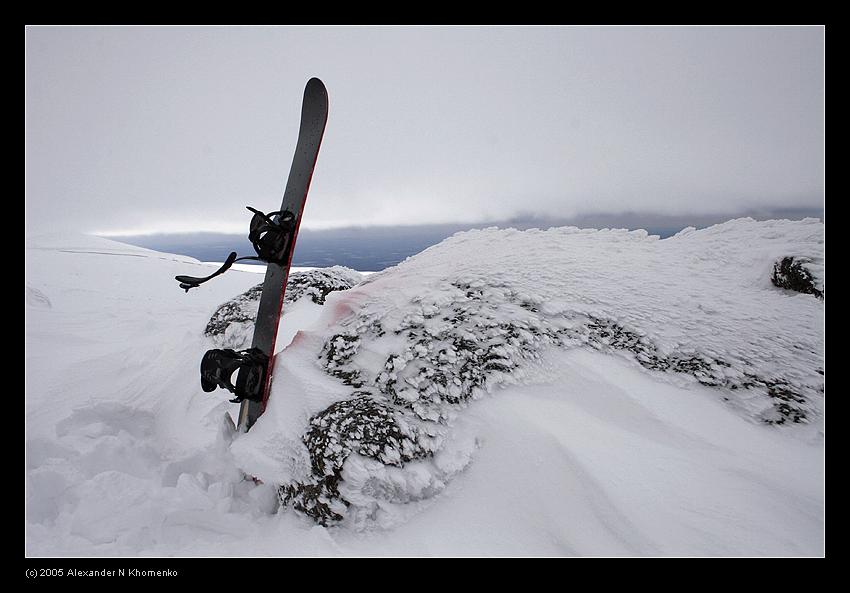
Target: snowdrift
<point>557,392</point>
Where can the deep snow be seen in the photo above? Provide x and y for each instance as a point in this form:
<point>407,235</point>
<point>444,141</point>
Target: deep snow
<point>571,445</point>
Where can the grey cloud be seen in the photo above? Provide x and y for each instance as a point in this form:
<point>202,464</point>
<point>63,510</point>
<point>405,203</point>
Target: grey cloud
<point>178,128</point>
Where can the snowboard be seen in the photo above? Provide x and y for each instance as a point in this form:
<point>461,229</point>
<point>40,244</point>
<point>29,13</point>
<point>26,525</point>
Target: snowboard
<point>314,115</point>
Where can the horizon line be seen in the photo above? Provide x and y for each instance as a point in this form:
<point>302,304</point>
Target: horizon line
<point>523,219</point>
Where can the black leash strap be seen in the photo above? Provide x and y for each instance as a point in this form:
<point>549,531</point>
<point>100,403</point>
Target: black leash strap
<point>187,282</point>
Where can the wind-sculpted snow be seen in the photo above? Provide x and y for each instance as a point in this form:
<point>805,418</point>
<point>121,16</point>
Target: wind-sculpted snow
<point>232,324</point>
<point>482,309</point>
<point>646,397</point>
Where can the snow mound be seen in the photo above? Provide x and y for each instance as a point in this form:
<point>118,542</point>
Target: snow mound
<point>411,346</point>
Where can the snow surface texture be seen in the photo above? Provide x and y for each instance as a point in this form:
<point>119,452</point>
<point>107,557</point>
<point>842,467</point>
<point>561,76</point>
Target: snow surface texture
<point>602,436</point>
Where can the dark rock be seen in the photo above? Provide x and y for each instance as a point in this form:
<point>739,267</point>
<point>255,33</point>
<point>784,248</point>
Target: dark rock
<point>792,274</point>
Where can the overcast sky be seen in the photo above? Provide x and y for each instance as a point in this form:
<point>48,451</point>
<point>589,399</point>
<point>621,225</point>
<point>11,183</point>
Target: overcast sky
<point>136,129</point>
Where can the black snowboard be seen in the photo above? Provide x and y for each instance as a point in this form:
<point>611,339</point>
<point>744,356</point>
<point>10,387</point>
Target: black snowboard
<point>314,115</point>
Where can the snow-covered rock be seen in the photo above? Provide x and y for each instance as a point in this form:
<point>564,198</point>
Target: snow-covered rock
<point>482,309</point>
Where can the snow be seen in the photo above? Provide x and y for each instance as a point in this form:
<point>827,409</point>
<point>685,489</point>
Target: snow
<point>590,430</point>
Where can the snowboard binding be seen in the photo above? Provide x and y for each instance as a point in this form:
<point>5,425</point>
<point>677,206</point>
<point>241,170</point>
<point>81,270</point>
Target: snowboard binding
<point>218,366</point>
<point>271,235</point>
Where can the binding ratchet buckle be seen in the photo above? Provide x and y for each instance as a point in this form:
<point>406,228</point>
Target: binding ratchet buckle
<point>218,366</point>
